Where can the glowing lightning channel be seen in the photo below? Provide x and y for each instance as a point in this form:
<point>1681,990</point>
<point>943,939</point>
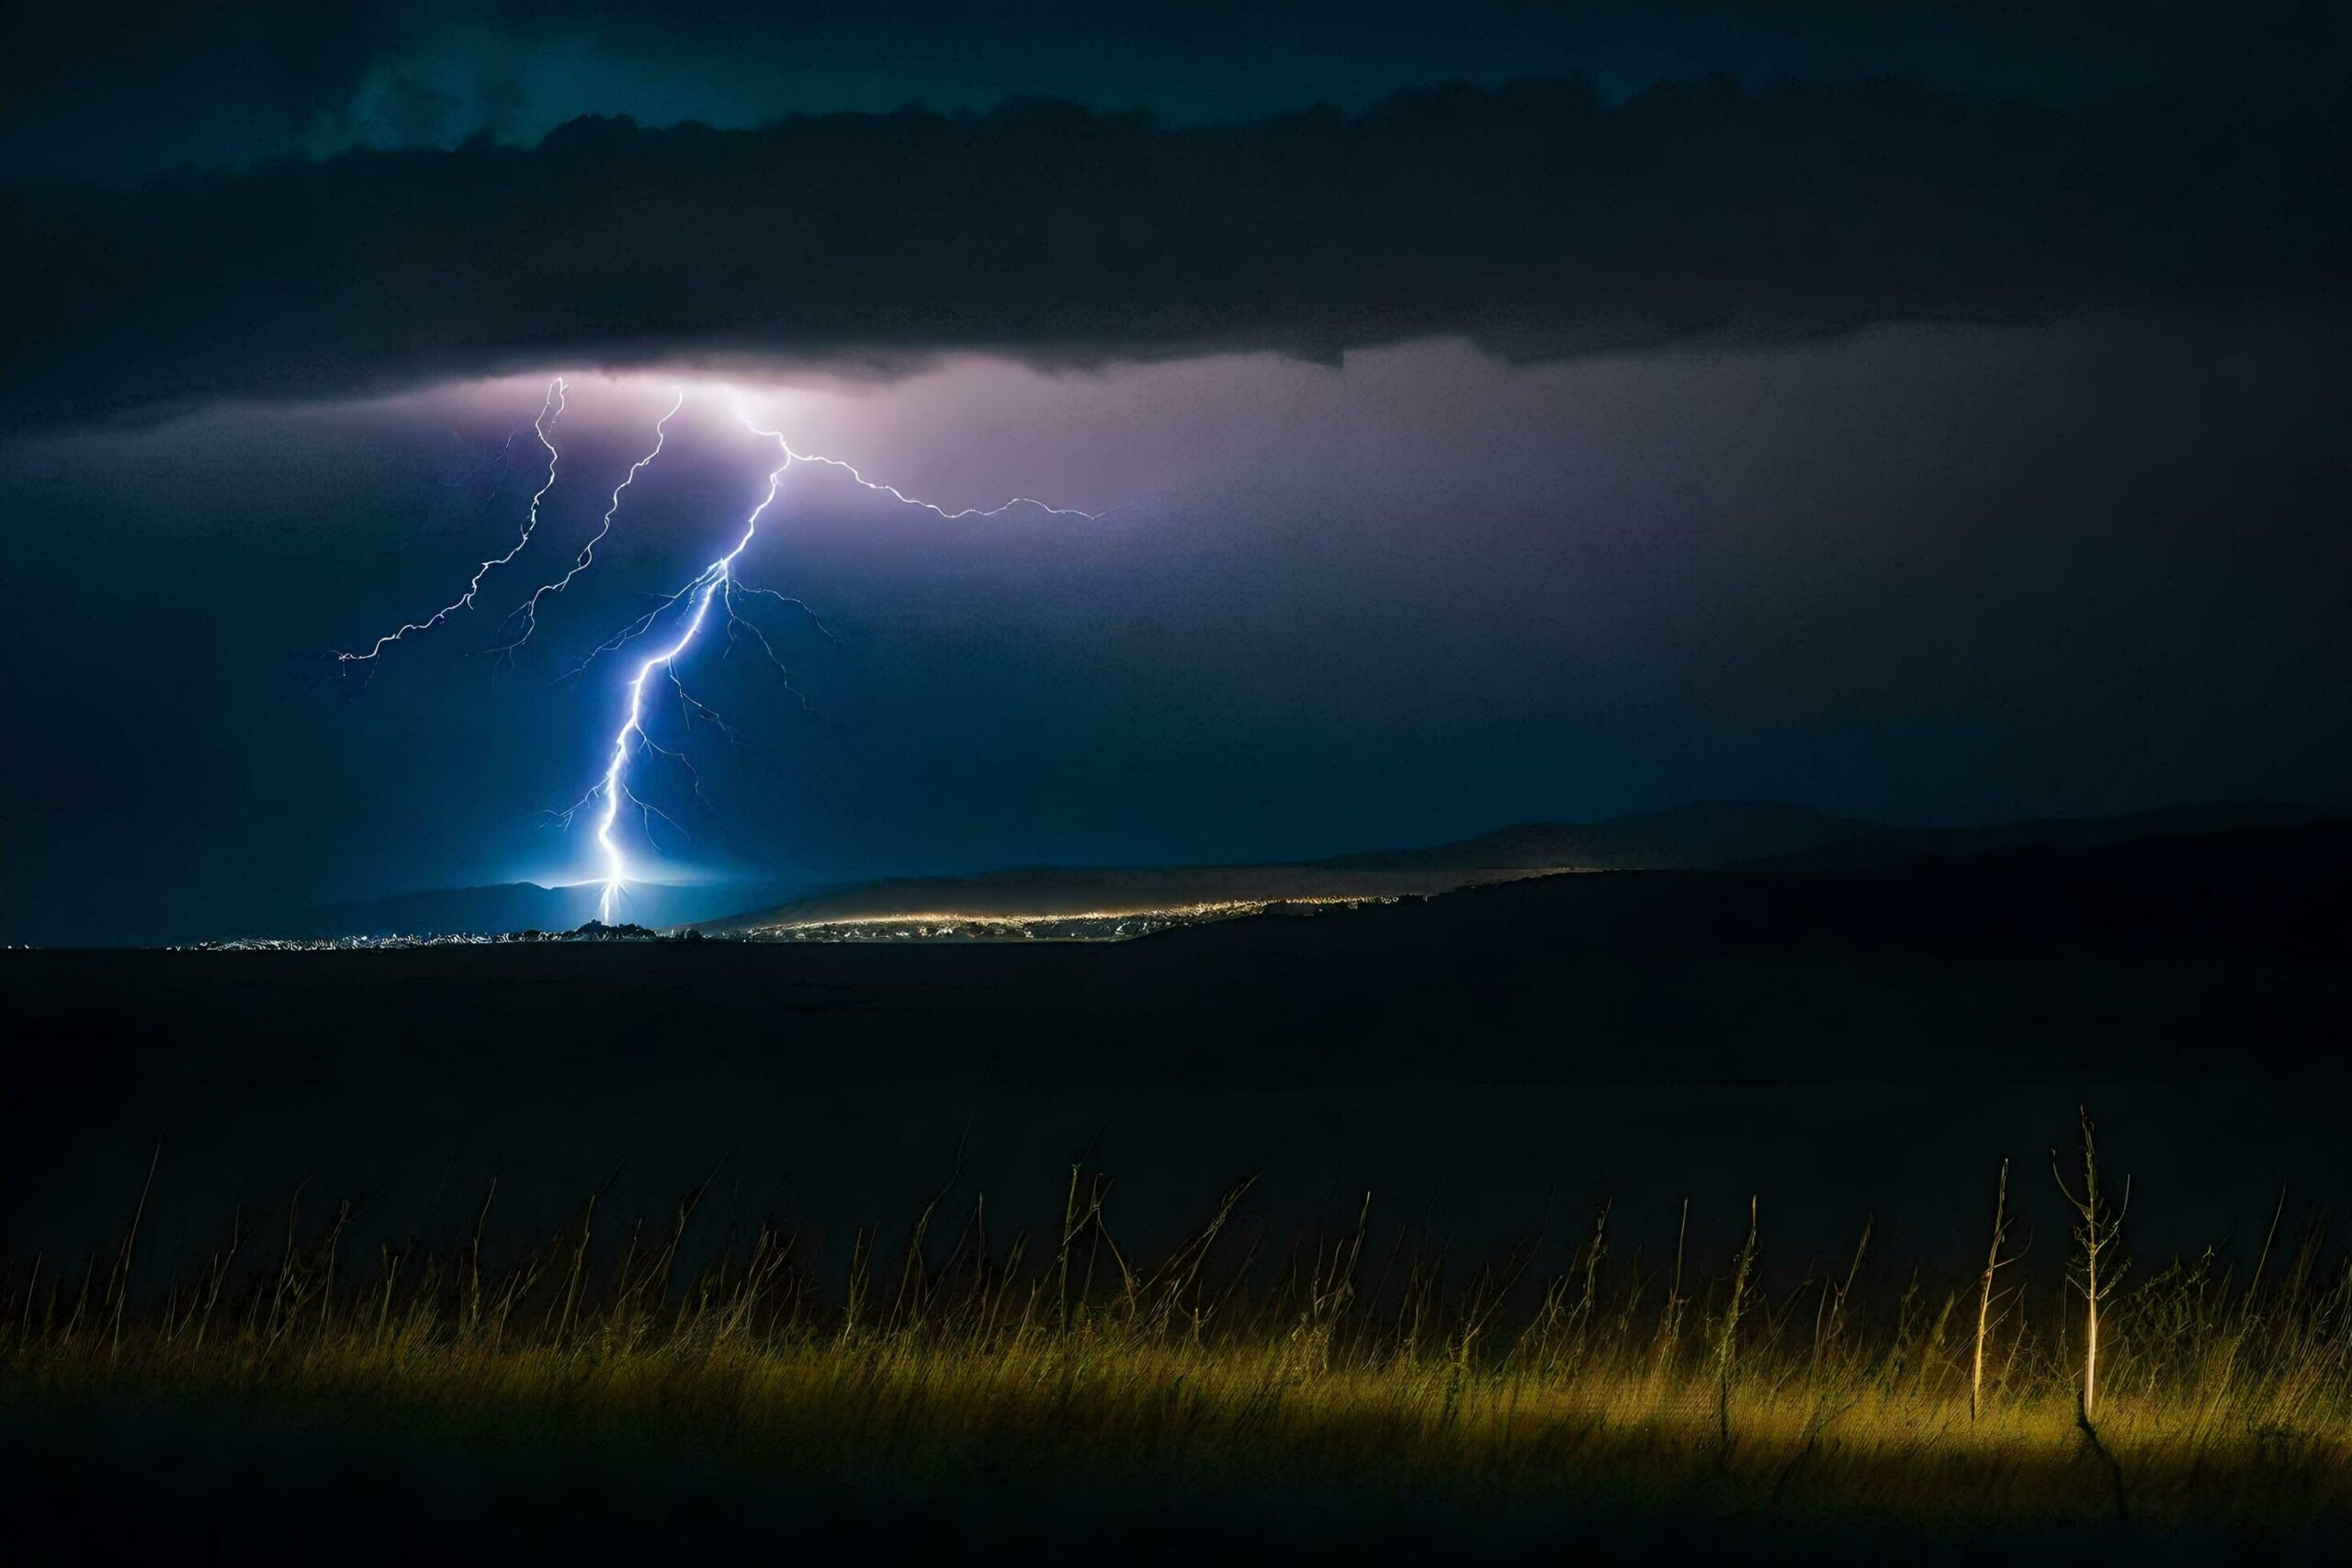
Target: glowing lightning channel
<point>529,609</point>
<point>716,582</point>
<point>706,585</point>
<point>896,494</point>
<point>550,410</point>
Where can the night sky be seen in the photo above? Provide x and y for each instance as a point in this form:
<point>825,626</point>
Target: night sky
<point>1931,412</point>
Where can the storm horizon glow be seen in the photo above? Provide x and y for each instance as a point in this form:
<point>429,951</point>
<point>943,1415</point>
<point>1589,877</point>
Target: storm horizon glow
<point>717,583</point>
<point>1411,597</point>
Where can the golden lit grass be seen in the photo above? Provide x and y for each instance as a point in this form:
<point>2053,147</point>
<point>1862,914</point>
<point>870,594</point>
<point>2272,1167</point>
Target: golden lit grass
<point>2220,1399</point>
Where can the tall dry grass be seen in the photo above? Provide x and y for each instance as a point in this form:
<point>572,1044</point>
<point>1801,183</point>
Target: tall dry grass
<point>2219,1394</point>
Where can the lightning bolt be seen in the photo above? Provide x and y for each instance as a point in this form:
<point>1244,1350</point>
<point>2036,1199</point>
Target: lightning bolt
<point>528,611</point>
<point>716,583</point>
<point>550,410</point>
<point>706,585</point>
<point>897,494</point>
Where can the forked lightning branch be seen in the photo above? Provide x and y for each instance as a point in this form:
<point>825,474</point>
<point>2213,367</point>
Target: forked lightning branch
<point>676,623</point>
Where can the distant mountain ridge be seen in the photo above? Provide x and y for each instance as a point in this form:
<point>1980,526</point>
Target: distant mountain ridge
<point>1704,836</point>
<point>1890,846</point>
<point>1684,838</point>
<point>1707,834</point>
<point>2268,894</point>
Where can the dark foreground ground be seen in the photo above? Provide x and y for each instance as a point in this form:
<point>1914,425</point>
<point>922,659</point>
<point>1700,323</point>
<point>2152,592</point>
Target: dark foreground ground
<point>1491,1065</point>
<point>1488,1063</point>
<point>144,1480</point>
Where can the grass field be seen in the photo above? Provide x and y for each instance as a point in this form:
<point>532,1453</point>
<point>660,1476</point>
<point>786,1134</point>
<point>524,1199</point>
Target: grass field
<point>1954,1393</point>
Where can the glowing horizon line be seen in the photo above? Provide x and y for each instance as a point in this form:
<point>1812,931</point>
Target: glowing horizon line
<point>1201,907</point>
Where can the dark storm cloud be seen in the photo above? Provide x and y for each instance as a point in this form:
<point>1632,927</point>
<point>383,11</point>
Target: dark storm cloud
<point>137,85</point>
<point>150,83</point>
<point>1536,221</point>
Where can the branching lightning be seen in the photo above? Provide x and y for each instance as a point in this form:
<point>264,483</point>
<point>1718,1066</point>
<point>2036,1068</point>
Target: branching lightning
<point>550,410</point>
<point>716,584</point>
<point>897,495</point>
<point>528,611</point>
<point>710,584</point>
